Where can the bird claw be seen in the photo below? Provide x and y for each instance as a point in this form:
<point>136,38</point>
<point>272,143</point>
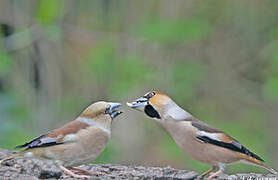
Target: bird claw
<point>87,172</point>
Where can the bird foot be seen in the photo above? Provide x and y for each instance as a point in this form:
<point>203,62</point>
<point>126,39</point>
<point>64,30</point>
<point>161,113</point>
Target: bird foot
<point>202,176</point>
<point>74,175</point>
<point>87,172</point>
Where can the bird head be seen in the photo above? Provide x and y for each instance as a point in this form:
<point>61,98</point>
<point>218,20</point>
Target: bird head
<point>159,106</point>
<point>152,104</point>
<point>101,111</point>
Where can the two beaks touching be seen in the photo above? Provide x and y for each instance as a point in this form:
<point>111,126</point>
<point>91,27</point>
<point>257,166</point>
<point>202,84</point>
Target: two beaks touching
<point>83,139</point>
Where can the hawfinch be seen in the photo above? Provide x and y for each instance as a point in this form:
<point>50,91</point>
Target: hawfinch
<point>78,142</point>
<point>197,139</point>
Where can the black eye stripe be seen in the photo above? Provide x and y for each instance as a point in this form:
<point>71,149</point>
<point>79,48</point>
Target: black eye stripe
<point>150,111</point>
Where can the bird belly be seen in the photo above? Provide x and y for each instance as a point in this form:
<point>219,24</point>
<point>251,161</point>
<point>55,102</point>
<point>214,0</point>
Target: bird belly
<point>207,153</point>
<point>86,148</point>
<point>185,137</point>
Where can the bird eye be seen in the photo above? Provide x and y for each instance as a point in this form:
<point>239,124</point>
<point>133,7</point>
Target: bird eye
<point>151,94</point>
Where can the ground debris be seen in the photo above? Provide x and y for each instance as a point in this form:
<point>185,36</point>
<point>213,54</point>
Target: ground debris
<point>34,169</point>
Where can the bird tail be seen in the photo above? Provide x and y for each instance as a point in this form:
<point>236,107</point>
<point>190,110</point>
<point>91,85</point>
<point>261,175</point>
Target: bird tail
<point>255,162</point>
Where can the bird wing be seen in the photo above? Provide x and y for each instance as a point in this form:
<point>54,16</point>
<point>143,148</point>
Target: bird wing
<point>57,136</point>
<point>211,135</point>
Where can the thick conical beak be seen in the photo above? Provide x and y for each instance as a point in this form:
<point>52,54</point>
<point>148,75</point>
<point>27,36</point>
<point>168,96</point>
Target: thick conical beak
<point>139,103</point>
<point>113,109</point>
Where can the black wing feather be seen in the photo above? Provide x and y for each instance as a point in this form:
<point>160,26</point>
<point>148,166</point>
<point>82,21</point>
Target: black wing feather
<point>234,146</point>
<point>41,141</point>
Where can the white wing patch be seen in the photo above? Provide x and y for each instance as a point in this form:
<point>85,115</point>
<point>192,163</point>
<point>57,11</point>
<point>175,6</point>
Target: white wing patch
<point>215,136</point>
<point>47,140</point>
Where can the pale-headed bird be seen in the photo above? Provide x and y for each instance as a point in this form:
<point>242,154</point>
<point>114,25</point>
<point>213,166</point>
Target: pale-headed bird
<point>77,142</point>
<point>197,139</point>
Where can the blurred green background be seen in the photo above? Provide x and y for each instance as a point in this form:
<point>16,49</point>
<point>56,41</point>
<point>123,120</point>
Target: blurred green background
<point>217,59</point>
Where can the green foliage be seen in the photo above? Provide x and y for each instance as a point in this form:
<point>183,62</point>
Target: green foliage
<point>129,71</point>
<point>53,32</point>
<point>13,118</point>
<point>5,63</point>
<point>119,73</point>
<point>270,88</point>
<point>15,135</point>
<point>49,11</point>
<point>174,31</point>
<point>184,78</point>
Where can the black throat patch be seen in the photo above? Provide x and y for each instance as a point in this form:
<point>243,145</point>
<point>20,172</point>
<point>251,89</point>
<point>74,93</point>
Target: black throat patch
<point>150,111</point>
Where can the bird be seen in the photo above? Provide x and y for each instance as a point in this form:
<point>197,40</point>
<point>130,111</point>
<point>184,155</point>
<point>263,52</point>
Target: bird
<point>77,142</point>
<point>197,139</point>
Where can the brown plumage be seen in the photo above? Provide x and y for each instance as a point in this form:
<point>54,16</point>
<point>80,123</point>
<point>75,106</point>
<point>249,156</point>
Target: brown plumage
<point>70,128</point>
<point>197,139</point>
<point>78,142</point>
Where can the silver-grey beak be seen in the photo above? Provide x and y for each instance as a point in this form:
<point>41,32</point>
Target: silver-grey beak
<point>138,103</point>
<point>113,109</point>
